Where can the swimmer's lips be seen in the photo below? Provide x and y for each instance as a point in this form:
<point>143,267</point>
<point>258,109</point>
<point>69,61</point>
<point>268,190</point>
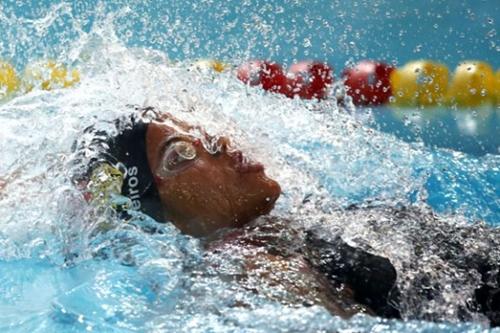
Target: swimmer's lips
<point>244,165</point>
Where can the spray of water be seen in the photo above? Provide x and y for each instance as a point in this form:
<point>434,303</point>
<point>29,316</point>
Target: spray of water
<point>84,269</point>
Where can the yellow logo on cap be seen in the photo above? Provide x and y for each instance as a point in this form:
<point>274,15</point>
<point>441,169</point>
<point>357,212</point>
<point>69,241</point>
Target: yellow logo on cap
<point>106,181</point>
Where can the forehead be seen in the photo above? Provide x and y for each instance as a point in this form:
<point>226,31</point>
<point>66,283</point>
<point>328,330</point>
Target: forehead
<point>167,128</point>
<point>162,131</point>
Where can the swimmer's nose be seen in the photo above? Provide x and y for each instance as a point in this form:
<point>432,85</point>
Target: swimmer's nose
<point>223,143</point>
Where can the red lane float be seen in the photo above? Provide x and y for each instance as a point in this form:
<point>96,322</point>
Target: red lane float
<point>368,83</point>
<point>309,79</point>
<point>268,74</point>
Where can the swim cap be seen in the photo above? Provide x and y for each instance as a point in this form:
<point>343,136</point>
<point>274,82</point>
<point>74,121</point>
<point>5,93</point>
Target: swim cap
<point>116,160</point>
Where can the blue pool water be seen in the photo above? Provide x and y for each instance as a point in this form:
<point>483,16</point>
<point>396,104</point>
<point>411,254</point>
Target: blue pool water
<point>60,273</point>
<point>465,130</point>
<point>336,31</point>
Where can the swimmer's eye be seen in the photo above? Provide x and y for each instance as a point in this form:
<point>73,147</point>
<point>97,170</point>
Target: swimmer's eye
<point>177,155</point>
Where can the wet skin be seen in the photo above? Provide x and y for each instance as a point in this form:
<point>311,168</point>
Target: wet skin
<point>204,184</point>
<point>215,187</point>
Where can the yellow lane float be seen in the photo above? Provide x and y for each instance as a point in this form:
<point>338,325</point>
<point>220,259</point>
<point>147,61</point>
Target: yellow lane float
<point>419,83</point>
<point>9,82</point>
<point>473,84</point>
<point>497,88</point>
<point>49,75</point>
<point>215,65</point>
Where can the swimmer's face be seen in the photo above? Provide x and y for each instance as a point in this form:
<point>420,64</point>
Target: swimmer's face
<point>204,184</point>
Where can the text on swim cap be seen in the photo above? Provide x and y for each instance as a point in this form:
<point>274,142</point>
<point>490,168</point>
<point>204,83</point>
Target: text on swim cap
<point>132,183</point>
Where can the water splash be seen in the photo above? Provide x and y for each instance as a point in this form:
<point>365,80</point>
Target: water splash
<point>68,273</point>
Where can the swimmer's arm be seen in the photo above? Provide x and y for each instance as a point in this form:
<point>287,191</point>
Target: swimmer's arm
<point>372,277</point>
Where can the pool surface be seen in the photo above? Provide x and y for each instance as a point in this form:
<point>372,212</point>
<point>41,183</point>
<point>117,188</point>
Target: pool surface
<point>60,273</point>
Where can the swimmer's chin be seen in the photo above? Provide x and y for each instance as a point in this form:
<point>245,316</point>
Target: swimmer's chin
<point>275,194</point>
<point>201,227</point>
<point>272,195</point>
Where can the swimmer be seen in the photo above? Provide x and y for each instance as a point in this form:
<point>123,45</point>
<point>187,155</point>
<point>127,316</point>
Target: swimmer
<point>207,188</point>
<point>175,172</point>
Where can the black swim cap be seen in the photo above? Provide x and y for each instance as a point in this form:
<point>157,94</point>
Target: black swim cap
<point>123,148</point>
